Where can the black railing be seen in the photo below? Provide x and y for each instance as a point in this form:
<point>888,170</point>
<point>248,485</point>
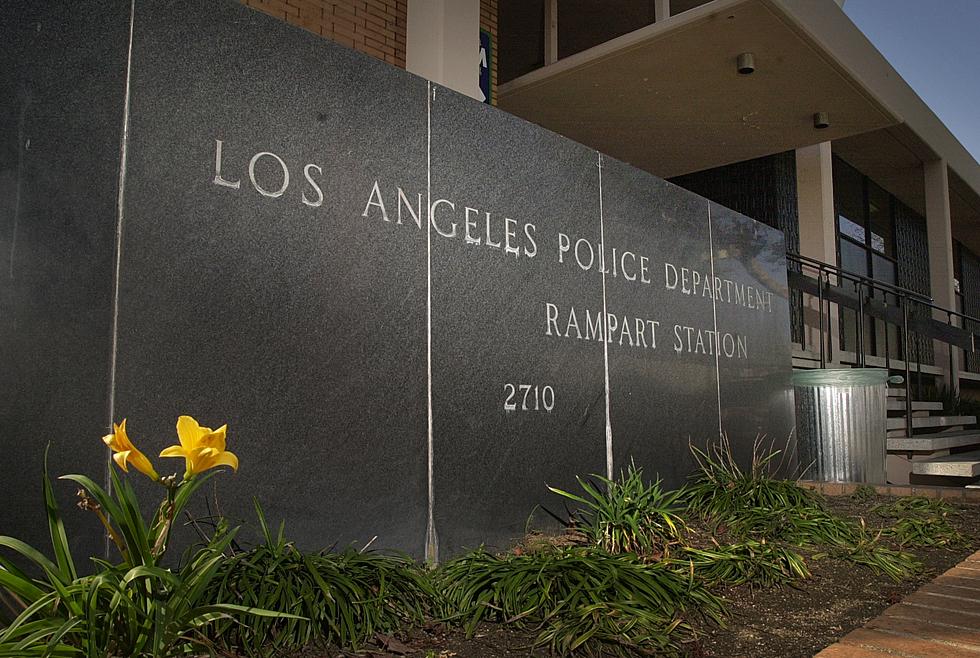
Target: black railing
<point>833,285</point>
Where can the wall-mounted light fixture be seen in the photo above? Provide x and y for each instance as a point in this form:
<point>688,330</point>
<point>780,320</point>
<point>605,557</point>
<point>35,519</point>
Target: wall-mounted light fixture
<point>821,120</point>
<point>745,63</point>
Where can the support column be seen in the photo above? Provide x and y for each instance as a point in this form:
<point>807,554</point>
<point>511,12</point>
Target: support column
<point>443,43</point>
<point>550,31</point>
<point>661,10</point>
<point>940,237</point>
<point>818,233</point>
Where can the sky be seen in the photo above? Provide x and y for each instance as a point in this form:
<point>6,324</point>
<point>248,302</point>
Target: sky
<point>935,46</point>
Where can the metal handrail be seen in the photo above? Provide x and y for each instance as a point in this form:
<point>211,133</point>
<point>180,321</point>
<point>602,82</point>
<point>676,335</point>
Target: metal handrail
<point>905,297</point>
<point>881,285</point>
<point>915,296</point>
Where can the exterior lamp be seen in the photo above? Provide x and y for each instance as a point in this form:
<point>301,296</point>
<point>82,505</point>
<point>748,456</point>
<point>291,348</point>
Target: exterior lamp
<point>745,63</point>
<point>821,120</point>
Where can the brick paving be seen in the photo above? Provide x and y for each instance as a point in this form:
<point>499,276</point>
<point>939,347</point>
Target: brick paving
<point>939,620</point>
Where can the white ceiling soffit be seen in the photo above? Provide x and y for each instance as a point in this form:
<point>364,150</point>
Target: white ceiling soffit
<point>667,98</point>
<point>841,39</point>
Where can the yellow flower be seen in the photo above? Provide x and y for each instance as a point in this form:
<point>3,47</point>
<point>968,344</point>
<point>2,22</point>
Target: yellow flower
<point>201,447</point>
<point>125,453</point>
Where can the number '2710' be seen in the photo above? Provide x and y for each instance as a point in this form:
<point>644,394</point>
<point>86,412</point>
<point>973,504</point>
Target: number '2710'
<point>527,397</point>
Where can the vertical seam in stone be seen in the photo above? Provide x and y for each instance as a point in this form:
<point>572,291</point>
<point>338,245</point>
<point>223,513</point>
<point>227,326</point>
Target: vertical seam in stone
<point>21,154</point>
<point>431,540</point>
<point>605,333</point>
<point>120,197</point>
<point>714,314</point>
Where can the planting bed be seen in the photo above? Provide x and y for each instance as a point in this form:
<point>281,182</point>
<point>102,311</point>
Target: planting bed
<point>773,622</point>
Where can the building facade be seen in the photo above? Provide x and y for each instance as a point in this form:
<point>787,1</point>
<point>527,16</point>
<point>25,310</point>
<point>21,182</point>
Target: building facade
<point>883,190</point>
<point>780,109</point>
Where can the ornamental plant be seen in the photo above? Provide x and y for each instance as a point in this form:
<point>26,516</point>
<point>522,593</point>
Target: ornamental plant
<point>628,514</point>
<point>135,605</point>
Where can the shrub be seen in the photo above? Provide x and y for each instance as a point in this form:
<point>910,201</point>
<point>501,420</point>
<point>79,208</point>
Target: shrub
<point>578,599</point>
<point>753,504</point>
<point>755,563</point>
<point>339,598</point>
<point>138,606</point>
<point>864,492</point>
<point>720,489</point>
<point>920,521</point>
<point>628,515</point>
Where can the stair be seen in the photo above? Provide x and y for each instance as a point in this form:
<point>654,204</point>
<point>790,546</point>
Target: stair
<point>895,404</point>
<point>934,442</point>
<point>929,456</point>
<point>931,421</point>
<point>960,465</point>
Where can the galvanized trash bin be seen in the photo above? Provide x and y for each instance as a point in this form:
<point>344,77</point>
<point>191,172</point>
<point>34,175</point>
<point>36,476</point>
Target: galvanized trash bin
<point>841,418</point>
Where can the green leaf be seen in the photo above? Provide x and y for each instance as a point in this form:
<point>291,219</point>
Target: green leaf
<point>59,539</point>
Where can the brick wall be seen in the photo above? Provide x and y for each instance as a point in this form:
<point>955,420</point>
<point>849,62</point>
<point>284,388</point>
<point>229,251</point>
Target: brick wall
<point>488,22</point>
<point>375,27</point>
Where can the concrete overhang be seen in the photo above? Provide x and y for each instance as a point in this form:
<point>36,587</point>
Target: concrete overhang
<point>667,98</point>
<point>893,157</point>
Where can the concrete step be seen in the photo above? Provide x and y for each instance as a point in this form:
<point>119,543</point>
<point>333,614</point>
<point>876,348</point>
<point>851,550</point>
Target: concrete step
<point>932,421</point>
<point>934,442</point>
<point>895,392</point>
<point>899,405</point>
<point>963,465</point>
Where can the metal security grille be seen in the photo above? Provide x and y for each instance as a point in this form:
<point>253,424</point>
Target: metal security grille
<point>913,269</point>
<point>970,287</point>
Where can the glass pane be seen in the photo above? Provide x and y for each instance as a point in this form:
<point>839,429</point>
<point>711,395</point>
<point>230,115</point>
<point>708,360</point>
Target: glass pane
<point>850,229</point>
<point>853,258</point>
<point>880,220</point>
<point>884,269</point>
<point>849,196</point>
<point>887,337</point>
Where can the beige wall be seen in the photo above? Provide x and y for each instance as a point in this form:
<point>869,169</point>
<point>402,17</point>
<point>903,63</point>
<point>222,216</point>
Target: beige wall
<point>380,28</point>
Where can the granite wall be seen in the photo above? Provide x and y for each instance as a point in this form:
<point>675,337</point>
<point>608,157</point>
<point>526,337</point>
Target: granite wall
<point>413,310</point>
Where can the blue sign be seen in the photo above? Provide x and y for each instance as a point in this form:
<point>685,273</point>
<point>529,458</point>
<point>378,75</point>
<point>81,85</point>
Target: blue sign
<point>486,55</point>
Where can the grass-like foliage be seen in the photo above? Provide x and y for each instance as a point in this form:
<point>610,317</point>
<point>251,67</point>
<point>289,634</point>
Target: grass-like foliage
<point>578,599</point>
<point>720,488</point>
<point>136,607</point>
<point>914,506</point>
<point>628,514</point>
<point>865,548</point>
<point>339,598</point>
<point>864,493</point>
<point>751,562</point>
<point>920,521</point>
<point>753,504</point>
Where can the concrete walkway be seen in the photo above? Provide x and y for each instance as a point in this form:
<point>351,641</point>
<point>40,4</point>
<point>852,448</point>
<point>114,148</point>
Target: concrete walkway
<point>939,620</point>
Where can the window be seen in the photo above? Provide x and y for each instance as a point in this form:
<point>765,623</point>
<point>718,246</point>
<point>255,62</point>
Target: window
<point>866,247</point>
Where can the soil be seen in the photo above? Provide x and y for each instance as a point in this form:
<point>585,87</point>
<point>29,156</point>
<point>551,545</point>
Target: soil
<point>783,622</point>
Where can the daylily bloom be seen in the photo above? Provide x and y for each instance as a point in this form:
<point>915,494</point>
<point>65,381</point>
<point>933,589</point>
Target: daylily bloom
<point>201,447</point>
<point>125,453</point>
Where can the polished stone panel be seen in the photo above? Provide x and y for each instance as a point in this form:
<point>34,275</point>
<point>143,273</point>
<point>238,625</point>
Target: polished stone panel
<point>560,315</point>
<point>662,380</point>
<point>490,322</point>
<point>297,318</point>
<point>61,106</point>
<point>756,389</point>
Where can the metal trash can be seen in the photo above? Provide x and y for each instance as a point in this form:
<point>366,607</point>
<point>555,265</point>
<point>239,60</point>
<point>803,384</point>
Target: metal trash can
<point>841,418</point>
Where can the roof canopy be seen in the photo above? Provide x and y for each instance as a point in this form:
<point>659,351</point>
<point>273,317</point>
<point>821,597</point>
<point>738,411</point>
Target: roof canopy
<point>668,98</point>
